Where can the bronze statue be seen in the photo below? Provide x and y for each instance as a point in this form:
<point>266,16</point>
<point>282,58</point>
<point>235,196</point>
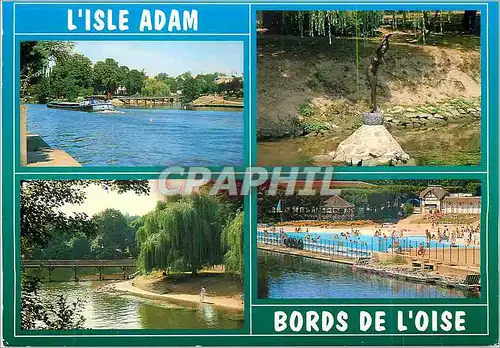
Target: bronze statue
<point>371,72</point>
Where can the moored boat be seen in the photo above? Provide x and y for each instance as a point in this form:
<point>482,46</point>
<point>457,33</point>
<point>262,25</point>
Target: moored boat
<point>87,105</point>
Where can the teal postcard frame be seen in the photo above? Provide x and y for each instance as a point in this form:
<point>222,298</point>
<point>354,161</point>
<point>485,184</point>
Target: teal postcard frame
<point>258,326</point>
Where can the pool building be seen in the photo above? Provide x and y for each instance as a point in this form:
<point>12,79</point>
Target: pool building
<point>436,198</point>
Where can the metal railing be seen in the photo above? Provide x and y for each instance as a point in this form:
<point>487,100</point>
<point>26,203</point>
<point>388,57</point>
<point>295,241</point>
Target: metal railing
<point>433,251</point>
<point>348,249</point>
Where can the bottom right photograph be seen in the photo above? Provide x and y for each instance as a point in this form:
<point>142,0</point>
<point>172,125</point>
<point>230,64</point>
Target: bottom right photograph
<point>370,239</point>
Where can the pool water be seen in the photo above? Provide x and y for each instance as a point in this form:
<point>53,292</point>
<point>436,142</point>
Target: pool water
<point>326,239</point>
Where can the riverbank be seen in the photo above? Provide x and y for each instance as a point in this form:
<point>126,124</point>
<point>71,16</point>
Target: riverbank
<point>222,292</point>
<point>40,154</point>
<point>35,152</point>
<point>215,101</point>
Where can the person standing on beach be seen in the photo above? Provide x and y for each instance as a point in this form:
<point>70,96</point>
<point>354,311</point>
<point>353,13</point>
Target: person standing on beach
<point>202,294</point>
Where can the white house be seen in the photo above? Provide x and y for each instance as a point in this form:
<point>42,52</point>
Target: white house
<point>437,198</point>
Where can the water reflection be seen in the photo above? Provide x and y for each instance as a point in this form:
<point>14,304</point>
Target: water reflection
<point>287,276</point>
<point>453,144</point>
<point>135,136</point>
<point>111,311</point>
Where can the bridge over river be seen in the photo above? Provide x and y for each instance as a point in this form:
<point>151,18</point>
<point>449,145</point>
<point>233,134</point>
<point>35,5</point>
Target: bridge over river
<point>126,265</point>
<point>153,101</point>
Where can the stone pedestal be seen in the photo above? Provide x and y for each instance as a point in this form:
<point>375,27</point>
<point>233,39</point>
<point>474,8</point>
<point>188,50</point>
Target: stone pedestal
<point>373,118</point>
<point>370,145</point>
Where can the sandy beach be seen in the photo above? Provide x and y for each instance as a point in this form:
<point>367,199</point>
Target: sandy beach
<point>410,226</point>
<point>228,303</point>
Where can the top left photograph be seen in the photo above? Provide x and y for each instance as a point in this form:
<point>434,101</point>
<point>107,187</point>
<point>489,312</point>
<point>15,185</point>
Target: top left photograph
<point>131,103</point>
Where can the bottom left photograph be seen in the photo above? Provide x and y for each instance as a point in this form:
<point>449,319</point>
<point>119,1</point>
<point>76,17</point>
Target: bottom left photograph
<point>119,254</point>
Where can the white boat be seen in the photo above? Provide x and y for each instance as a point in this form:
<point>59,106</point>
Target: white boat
<point>86,105</point>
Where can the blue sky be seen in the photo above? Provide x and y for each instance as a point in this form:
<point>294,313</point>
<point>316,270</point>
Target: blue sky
<point>171,57</point>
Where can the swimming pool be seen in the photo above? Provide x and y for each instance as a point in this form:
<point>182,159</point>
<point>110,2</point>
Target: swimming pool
<point>361,242</point>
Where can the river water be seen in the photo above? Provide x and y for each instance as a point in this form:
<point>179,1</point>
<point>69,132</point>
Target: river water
<point>284,276</point>
<point>142,137</point>
<point>451,144</point>
<point>113,311</point>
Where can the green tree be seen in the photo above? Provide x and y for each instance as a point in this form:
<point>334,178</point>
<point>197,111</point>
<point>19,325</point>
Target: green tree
<point>56,248</point>
<point>408,209</point>
<point>184,235</point>
<point>35,58</point>
<point>41,91</point>
<point>134,81</point>
<point>124,72</point>
<point>232,242</point>
<point>113,234</point>
<point>41,201</point>
<point>171,82</point>
<point>155,88</point>
<point>71,77</point>
<point>323,23</point>
<point>107,76</point>
<point>206,83</point>
<point>473,188</point>
<point>79,246</point>
<point>190,87</point>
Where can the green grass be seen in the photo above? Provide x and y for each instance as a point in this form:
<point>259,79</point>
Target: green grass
<point>312,126</point>
<point>305,109</point>
<point>396,260</point>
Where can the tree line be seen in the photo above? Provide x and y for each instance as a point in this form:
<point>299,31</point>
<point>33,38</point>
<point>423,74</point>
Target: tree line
<point>390,199</point>
<point>51,70</point>
<point>112,238</point>
<point>333,23</point>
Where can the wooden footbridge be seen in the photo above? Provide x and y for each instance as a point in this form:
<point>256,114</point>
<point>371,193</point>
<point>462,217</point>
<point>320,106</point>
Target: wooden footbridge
<point>145,101</point>
<point>126,265</point>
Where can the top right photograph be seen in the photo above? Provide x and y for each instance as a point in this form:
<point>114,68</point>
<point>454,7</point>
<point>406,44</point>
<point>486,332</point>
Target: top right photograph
<point>369,88</point>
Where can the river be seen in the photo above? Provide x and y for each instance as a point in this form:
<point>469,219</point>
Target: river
<point>284,276</point>
<point>142,137</point>
<point>451,144</point>
<point>103,310</point>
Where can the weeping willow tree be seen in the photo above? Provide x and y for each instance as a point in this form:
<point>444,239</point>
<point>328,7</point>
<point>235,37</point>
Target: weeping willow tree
<point>232,241</point>
<point>359,23</point>
<point>183,235</point>
<point>327,23</point>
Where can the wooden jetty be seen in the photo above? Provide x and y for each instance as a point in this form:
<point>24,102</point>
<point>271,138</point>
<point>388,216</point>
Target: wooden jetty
<point>124,264</point>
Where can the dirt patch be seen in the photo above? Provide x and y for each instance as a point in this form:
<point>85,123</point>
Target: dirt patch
<point>295,72</point>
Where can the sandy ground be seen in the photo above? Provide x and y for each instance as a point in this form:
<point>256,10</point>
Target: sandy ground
<point>407,226</point>
<point>155,288</point>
